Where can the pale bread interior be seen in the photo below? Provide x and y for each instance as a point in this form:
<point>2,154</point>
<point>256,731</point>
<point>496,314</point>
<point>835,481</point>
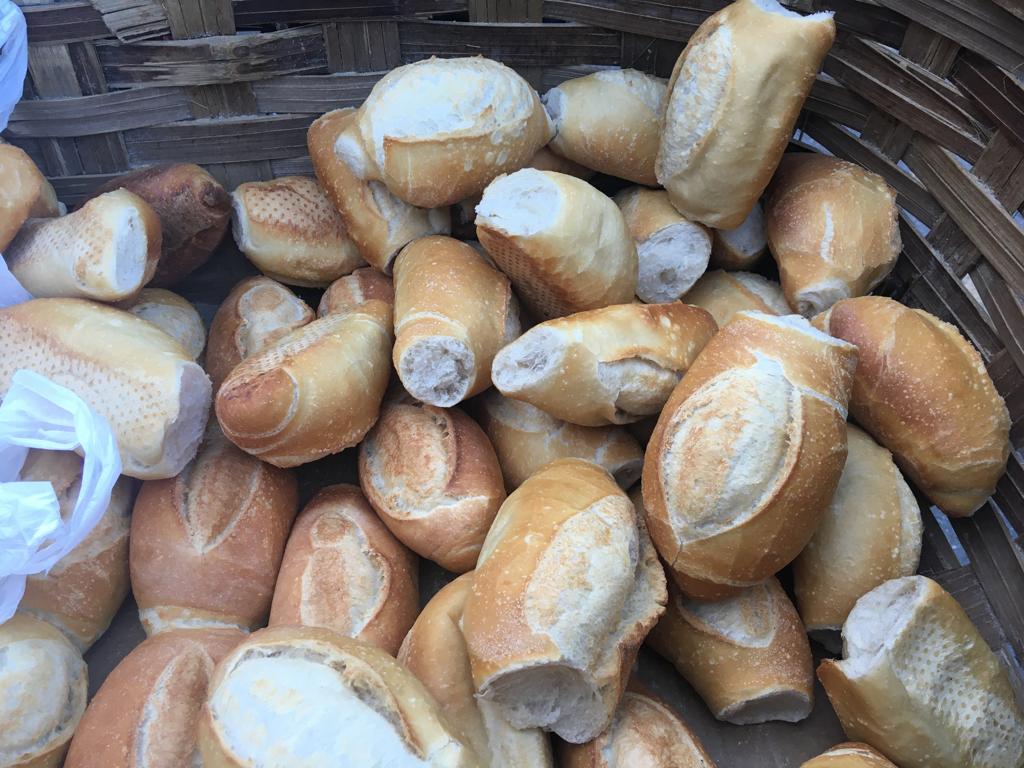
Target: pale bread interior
<point>876,621</point>
<point>185,431</point>
<point>773,6</point>
<point>817,297</point>
<point>532,358</point>
<point>131,249</point>
<point>640,387</point>
<point>748,238</point>
<point>268,312</point>
<point>786,705</point>
<point>671,261</point>
<point>438,370</point>
<point>520,204</point>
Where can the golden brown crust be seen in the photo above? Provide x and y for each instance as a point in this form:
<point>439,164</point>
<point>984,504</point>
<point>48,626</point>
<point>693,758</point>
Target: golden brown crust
<point>350,291</point>
<point>24,191</point>
<point>849,755</point>
<point>172,314</point>
<point>724,294</point>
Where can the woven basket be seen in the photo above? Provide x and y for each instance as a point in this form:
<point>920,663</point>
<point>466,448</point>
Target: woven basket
<point>927,93</point>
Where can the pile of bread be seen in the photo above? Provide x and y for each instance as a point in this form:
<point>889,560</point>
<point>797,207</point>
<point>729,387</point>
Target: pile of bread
<point>503,441</point>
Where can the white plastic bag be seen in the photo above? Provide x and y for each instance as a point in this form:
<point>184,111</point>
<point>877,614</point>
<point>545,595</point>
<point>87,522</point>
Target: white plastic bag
<point>13,58</point>
<point>36,413</point>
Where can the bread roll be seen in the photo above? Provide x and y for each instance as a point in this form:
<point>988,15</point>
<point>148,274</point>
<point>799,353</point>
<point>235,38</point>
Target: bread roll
<point>922,391</point>
<point>106,250</point>
<point>747,453</point>
<point>440,130</point>
<point>344,570</point>
<point>207,544</point>
<point>645,732</point>
<point>564,244</point>
<point>561,601</point>
<point>525,439</point>
<point>257,313</point>
<point>83,591</point>
<point>871,532</point>
<point>432,476</point>
<point>733,100</point>
<point>377,222</point>
<point>147,711</point>
<point>833,228</point>
<point>607,366</point>
<point>303,696</point>
<point>919,683</point>
<point>312,393</point>
<point>26,193</point>
<point>43,683</point>
<point>849,755</point>
<point>723,294</point>
<point>193,208</point>
<point>173,315</point>
<point>291,231</point>
<point>742,246</point>
<point>671,251</point>
<point>435,651</point>
<point>453,312</point>
<point>609,121</point>
<point>348,292</point>
<point>746,655</point>
<point>155,399</point>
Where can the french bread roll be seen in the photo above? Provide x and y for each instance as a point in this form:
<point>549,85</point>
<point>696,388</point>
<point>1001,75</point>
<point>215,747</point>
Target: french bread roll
<point>106,250</point>
<point>257,313</point>
<point>871,532</point>
<point>348,292</point>
<point>312,393</point>
<point>922,391</point>
<point>833,228</point>
<point>194,210</point>
<point>742,246</point>
<point>43,683</point>
<point>207,544</point>
<point>747,655</point>
<point>920,684</point>
<point>645,732</point>
<point>435,651</point>
<point>747,453</point>
<point>733,100</point>
<point>440,130</point>
<point>849,755</point>
<point>453,312</point>
<point>723,294</point>
<point>525,439</point>
<point>344,570</point>
<point>561,601</point>
<point>306,696</point>
<point>379,223</point>
<point>83,591</point>
<point>173,315</point>
<point>26,193</point>
<point>292,232</point>
<point>609,121</point>
<point>432,476</point>
<point>146,713</point>
<point>672,253</point>
<point>606,366</point>
<point>153,396</point>
<point>563,244</point>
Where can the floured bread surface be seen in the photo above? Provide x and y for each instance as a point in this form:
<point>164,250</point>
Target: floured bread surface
<point>267,312</point>
<point>750,619</point>
<point>524,203</point>
<point>174,316</point>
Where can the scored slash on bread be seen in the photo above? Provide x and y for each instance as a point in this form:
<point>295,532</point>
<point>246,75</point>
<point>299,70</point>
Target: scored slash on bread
<point>173,315</point>
<point>724,294</point>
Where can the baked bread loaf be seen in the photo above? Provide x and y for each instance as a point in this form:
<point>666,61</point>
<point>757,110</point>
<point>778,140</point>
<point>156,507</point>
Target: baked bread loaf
<point>849,755</point>
<point>723,294</point>
<point>564,244</point>
<point>432,476</point>
<point>292,232</point>
<point>173,315</point>
<point>561,601</point>
<point>344,570</point>
<point>83,591</point>
<point>106,250</point>
<point>920,684</point>
<point>870,533</point>
<point>257,313</point>
<point>420,116</point>
<point>747,453</point>
<point>43,683</point>
<point>922,391</point>
<point>146,713</point>
<point>291,696</point>
<point>348,292</point>
<point>26,193</point>
<point>378,223</point>
<point>733,100</point>
<point>435,651</point>
<point>453,312</point>
<point>207,544</point>
<point>606,366</point>
<point>312,393</point>
<point>833,228</point>
<point>746,655</point>
<point>671,251</point>
<point>609,121</point>
<point>525,439</point>
<point>742,246</point>
<point>194,210</point>
<point>153,396</point>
